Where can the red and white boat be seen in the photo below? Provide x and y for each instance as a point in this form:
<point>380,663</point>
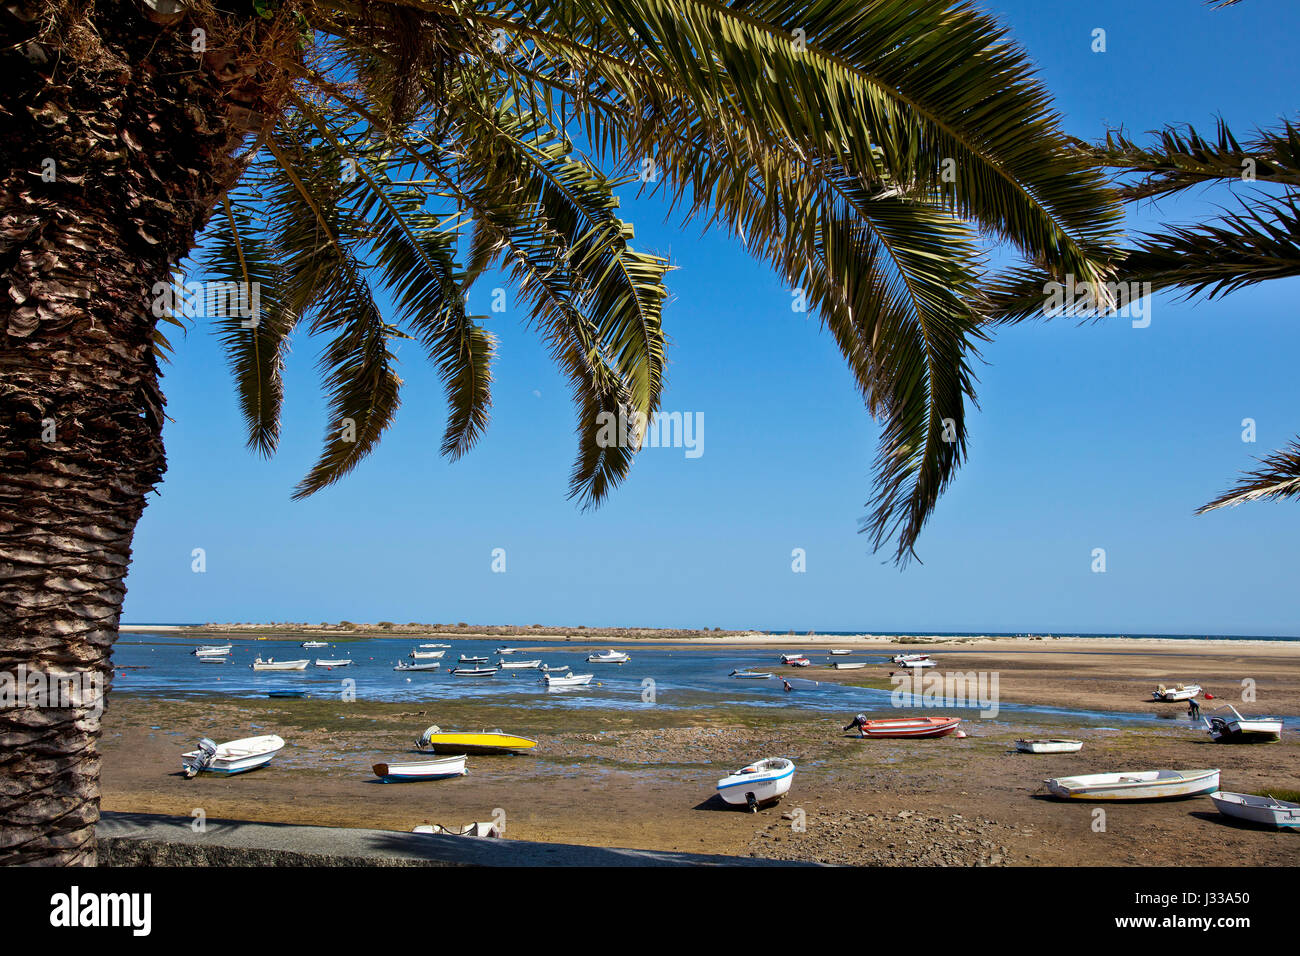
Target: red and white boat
<point>910,727</point>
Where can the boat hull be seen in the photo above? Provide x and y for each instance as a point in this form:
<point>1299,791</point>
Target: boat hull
<point>1049,746</point>
<point>765,781</point>
<point>573,680</point>
<point>279,665</point>
<point>910,727</point>
<point>237,756</point>
<point>451,742</point>
<point>420,770</point>
<point>1262,810</point>
<point>1142,785</point>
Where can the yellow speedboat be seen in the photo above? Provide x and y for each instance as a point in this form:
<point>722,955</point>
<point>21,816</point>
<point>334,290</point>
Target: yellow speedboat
<point>468,742</point>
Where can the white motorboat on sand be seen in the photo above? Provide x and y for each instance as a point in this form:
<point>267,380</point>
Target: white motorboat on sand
<point>762,782</point>
<point>234,756</point>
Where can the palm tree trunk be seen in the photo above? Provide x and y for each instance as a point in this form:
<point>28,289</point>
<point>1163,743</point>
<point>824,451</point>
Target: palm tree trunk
<point>117,138</point>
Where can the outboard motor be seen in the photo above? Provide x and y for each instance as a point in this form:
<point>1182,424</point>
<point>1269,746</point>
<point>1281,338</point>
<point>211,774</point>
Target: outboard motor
<point>207,750</point>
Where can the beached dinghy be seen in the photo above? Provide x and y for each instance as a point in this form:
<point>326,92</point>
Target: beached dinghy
<point>519,665</point>
<point>467,742</point>
<point>1266,810</point>
<point>608,657</point>
<point>840,653</point>
<point>234,756</point>
<point>909,660</point>
<point>798,662</point>
<point>271,664</point>
<point>212,650</point>
<point>915,663</point>
<point>421,770</point>
<point>1242,730</point>
<point>849,665</point>
<point>1054,746</point>
<point>567,680</point>
<point>1175,693</point>
<point>1137,785</point>
<point>762,782</point>
<point>909,727</point>
<point>787,658</point>
<point>751,675</point>
<point>402,666</point>
<point>426,655</point>
<point>341,662</point>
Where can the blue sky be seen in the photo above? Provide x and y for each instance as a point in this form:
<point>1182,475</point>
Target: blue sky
<point>1103,436</point>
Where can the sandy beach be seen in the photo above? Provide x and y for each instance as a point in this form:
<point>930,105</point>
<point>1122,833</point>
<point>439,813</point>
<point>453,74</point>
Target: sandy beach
<point>645,778</point>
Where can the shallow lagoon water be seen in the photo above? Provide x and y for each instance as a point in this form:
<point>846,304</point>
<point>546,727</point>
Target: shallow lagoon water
<point>683,678</point>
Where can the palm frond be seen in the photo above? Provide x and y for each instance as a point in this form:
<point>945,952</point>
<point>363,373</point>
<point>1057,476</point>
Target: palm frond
<point>1278,478</point>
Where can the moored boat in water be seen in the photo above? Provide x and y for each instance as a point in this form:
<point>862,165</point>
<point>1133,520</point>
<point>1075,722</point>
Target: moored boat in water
<point>608,657</point>
<point>271,664</point>
<point>403,666</point>
<point>567,680</point>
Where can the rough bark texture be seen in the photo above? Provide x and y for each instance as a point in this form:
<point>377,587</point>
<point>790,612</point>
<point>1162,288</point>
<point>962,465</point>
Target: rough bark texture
<point>142,131</point>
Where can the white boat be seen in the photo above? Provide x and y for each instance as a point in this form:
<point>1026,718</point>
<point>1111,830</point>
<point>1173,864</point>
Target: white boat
<point>840,653</point>
<point>608,657</point>
<point>426,646</point>
<point>507,650</point>
<point>909,660</point>
<point>798,662</point>
<point>764,781</point>
<point>567,680</point>
<point>1136,785</point>
<point>439,769</point>
<point>467,659</point>
<point>1177,692</point>
<point>426,655</point>
<point>556,668</point>
<point>919,661</point>
<point>234,756</point>
<point>787,658</point>
<point>315,644</point>
<point>473,671</point>
<point>1266,810</point>
<point>751,675</point>
<point>343,662</point>
<point>1239,729</point>
<point>205,659</point>
<point>518,665</point>
<point>849,665</point>
<point>402,666</point>
<point>271,664</point>
<point>1053,746</point>
<point>212,650</point>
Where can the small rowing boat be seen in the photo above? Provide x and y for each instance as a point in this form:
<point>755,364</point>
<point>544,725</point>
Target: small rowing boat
<point>1136,785</point>
<point>1175,693</point>
<point>909,727</point>
<point>849,665</point>
<point>421,770</point>
<point>567,680</point>
<point>341,662</point>
<point>212,650</point>
<point>468,742</point>
<point>271,664</point>
<point>426,655</point>
<point>608,657</point>
<point>205,659</point>
<point>1052,746</point>
<point>840,653</point>
<point>1243,730</point>
<point>762,782</point>
<point>402,666</point>
<point>518,665</point>
<point>750,675</point>
<point>473,671</point>
<point>467,659</point>
<point>234,756</point>
<point>1266,810</point>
